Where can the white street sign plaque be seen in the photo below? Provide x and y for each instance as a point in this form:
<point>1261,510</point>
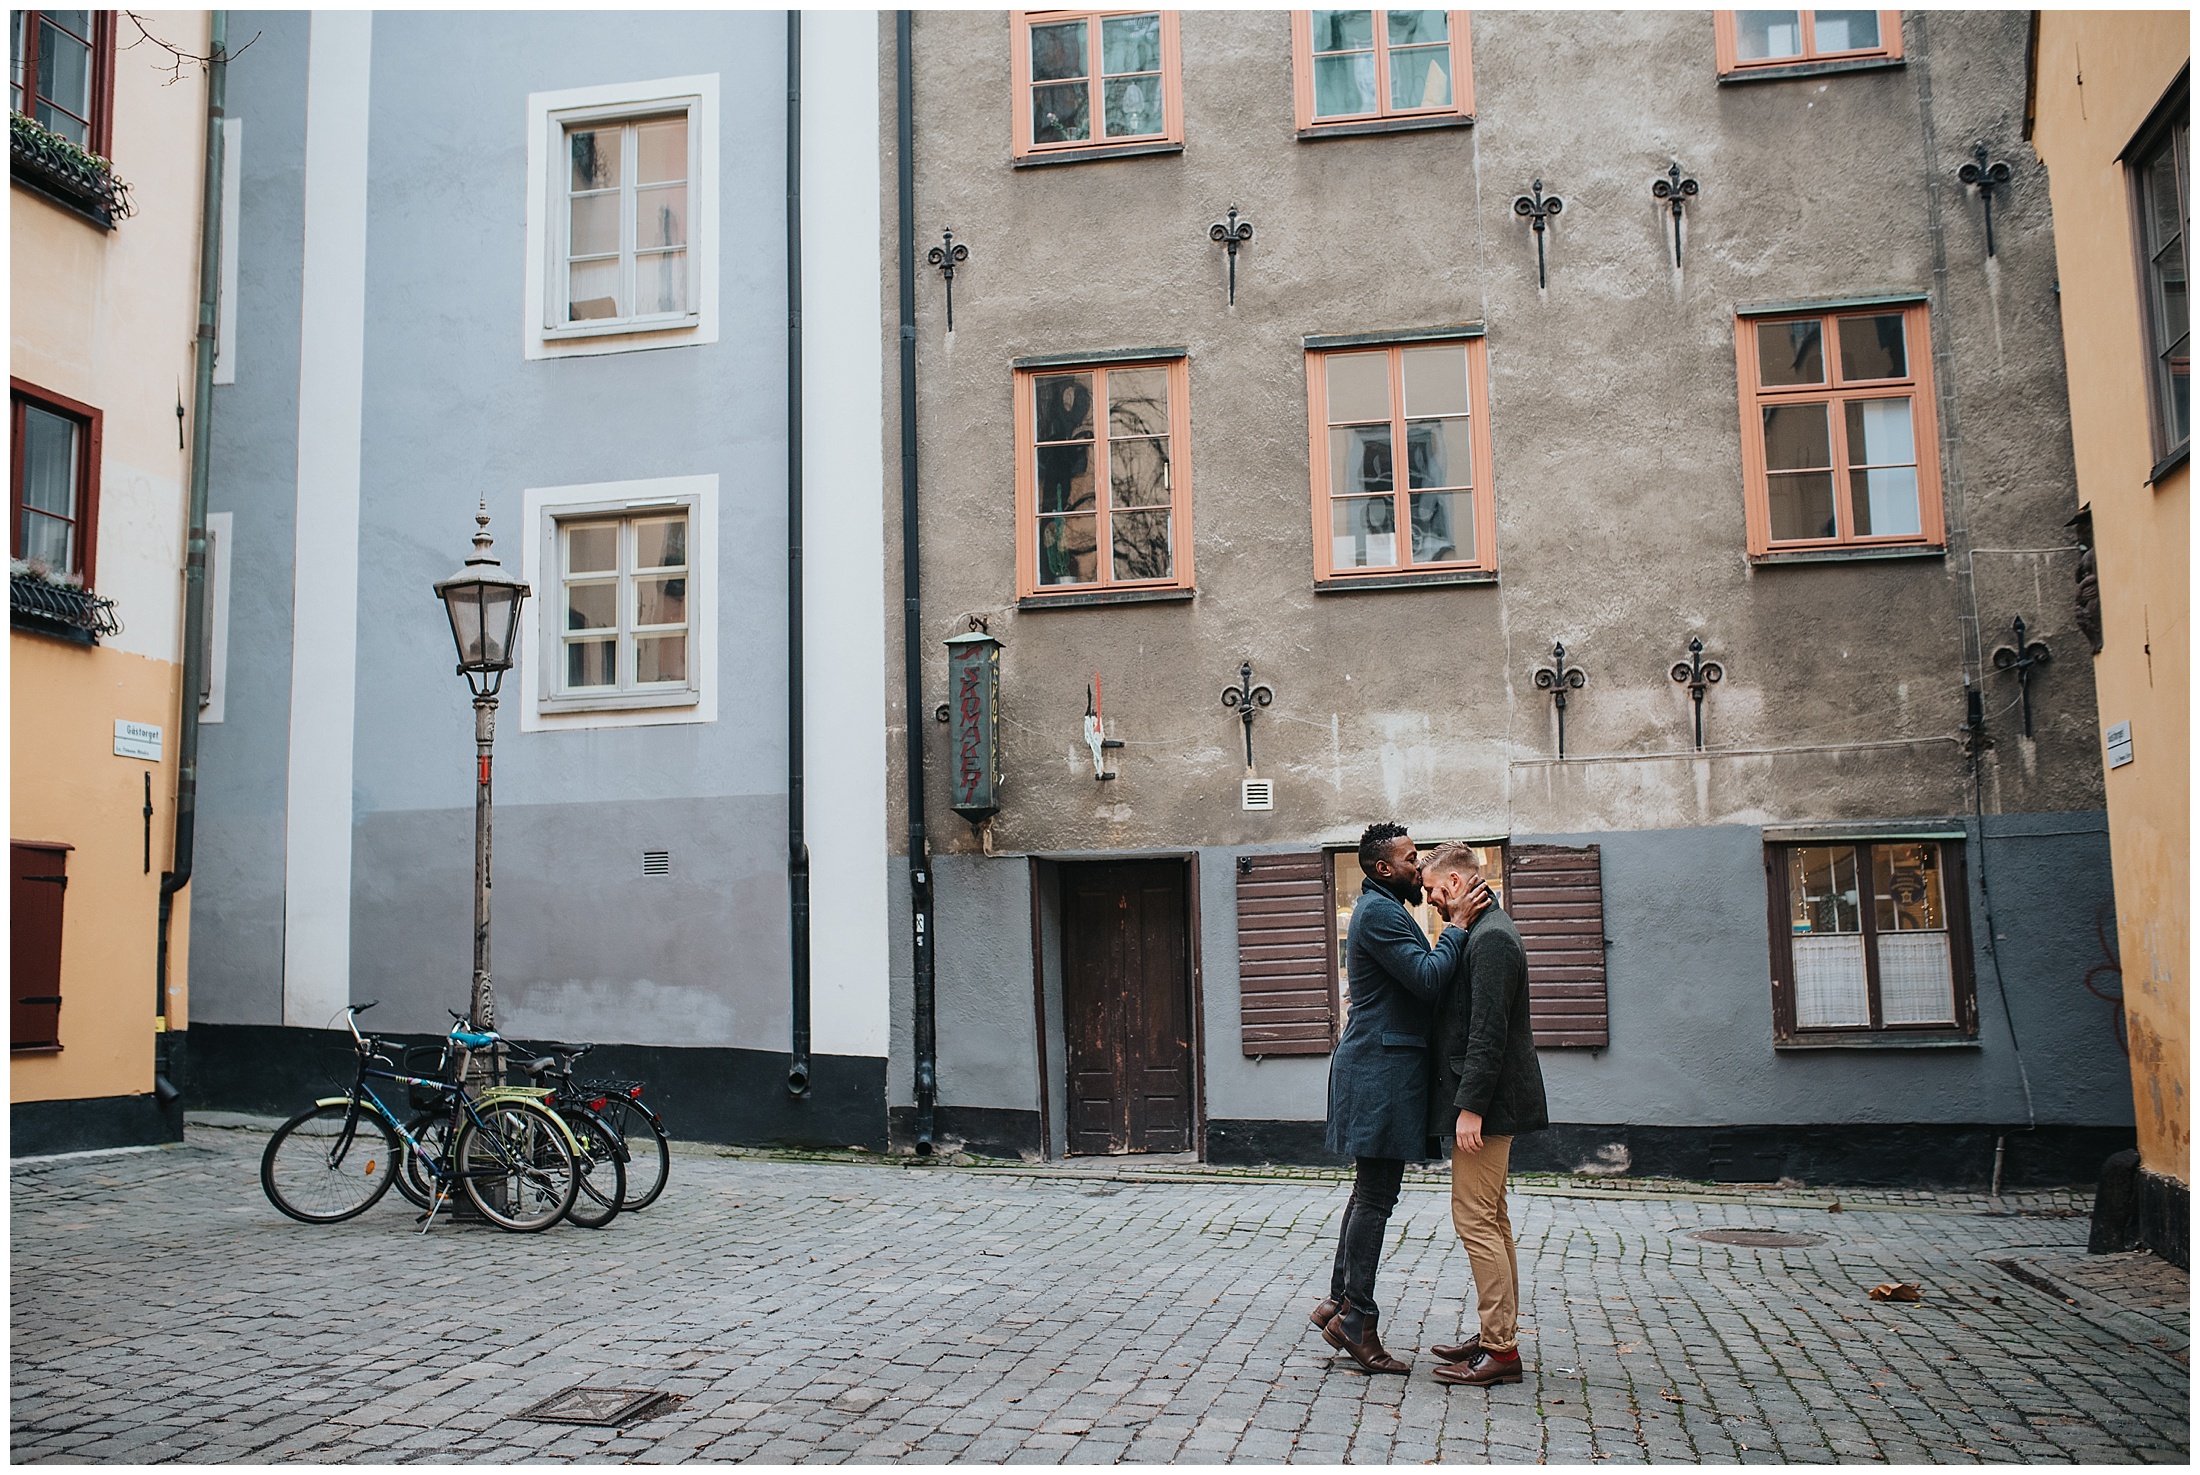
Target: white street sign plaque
<point>137,740</point>
<point>2119,745</point>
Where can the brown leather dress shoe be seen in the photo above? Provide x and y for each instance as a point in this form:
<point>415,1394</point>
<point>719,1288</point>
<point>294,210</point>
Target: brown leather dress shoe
<point>1466,1351</point>
<point>1325,1311</point>
<point>1368,1351</point>
<point>1487,1368</point>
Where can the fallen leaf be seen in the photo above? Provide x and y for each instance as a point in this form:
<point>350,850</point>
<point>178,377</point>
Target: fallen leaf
<point>1897,1290</point>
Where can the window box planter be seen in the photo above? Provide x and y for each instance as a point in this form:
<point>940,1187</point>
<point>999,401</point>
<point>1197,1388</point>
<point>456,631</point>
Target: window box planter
<point>60,610</point>
<point>45,163</point>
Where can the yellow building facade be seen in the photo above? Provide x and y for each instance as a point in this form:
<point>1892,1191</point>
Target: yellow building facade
<point>108,172</point>
<point>2109,117</point>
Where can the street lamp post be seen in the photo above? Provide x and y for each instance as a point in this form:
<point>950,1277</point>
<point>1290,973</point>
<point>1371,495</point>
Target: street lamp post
<point>483,602</point>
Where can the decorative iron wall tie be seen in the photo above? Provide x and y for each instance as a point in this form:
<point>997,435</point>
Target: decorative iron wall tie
<point>1246,698</point>
<point>1558,679</point>
<point>2021,658</point>
<point>1988,178</point>
<point>1700,676</point>
<point>1538,208</point>
<point>1232,233</point>
<point>944,256</point>
<point>1673,190</point>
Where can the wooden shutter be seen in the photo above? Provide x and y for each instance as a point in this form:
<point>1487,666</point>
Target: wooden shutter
<point>1556,898</point>
<point>1287,974</point>
<point>37,882</point>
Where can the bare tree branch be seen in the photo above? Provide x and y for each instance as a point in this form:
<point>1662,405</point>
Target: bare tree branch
<point>178,58</point>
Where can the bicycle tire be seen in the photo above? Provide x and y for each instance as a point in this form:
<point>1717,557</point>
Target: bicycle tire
<point>522,1177</point>
<point>414,1180</point>
<point>317,1173</point>
<point>648,1151</point>
<point>600,1169</point>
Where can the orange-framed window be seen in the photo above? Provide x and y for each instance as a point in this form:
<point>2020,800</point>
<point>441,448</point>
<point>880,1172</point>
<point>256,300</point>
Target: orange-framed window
<point>1364,66</point>
<point>1840,445</point>
<point>1091,80</point>
<point>1401,458</point>
<point>1103,480</point>
<point>1750,39</point>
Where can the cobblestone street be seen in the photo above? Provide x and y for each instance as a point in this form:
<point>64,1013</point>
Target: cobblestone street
<point>827,1311</point>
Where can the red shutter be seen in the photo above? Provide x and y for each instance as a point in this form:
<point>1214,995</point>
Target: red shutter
<point>1287,978</point>
<point>1556,898</point>
<point>37,882</point>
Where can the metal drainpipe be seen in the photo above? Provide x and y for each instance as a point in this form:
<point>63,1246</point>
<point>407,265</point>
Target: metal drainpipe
<point>912,611</point>
<point>798,849</point>
<point>194,564</point>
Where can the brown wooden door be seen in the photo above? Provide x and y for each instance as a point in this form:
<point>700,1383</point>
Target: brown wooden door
<point>1126,998</point>
<point>37,881</point>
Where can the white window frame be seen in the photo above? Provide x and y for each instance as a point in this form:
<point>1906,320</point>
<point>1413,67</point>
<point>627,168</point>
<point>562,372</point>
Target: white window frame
<point>543,707</point>
<point>225,312</point>
<point>221,535</point>
<point>544,333</point>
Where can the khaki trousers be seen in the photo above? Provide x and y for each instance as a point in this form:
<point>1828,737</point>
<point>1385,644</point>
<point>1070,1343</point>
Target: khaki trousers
<point>1478,1213</point>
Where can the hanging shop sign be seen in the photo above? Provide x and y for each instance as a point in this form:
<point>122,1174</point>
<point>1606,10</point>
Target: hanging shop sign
<point>974,715</point>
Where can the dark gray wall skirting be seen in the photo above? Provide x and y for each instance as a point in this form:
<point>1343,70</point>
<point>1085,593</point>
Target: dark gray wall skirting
<point>40,1128</point>
<point>2137,1209</point>
<point>987,1131</point>
<point>705,1095</point>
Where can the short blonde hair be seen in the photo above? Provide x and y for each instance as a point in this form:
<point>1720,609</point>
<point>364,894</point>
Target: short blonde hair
<point>1452,859</point>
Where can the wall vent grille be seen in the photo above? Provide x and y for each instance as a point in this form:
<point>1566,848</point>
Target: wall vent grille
<point>1257,793</point>
<point>656,862</point>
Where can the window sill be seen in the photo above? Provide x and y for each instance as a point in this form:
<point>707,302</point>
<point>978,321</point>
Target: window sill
<point>1810,69</point>
<point>34,1049</point>
<point>1405,581</point>
<point>1871,1040</point>
<point>1106,596</point>
<point>2170,463</point>
<point>1094,155</point>
<point>1362,127</point>
<point>636,701</point>
<point>623,328</point>
<point>1846,555</point>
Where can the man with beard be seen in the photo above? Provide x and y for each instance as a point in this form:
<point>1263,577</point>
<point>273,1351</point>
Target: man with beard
<point>1379,1075</point>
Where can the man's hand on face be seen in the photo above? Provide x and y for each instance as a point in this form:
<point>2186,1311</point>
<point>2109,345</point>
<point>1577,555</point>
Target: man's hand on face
<point>1469,1135</point>
<point>1463,903</point>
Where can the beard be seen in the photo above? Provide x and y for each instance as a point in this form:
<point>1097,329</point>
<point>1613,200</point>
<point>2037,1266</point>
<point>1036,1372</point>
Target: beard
<point>1408,892</point>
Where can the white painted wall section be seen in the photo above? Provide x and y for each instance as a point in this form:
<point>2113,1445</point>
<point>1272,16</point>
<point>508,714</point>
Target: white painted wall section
<point>325,623</point>
<point>844,522</point>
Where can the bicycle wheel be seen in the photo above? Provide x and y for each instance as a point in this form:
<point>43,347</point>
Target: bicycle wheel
<point>648,1152</point>
<point>515,1166</point>
<point>414,1180</point>
<point>602,1175</point>
<point>323,1166</point>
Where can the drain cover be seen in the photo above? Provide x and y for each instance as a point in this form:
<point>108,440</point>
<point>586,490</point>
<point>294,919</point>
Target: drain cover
<point>607,1407</point>
<point>1757,1239</point>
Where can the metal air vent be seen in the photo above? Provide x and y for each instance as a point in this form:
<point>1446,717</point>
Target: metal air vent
<point>656,862</point>
<point>1257,793</point>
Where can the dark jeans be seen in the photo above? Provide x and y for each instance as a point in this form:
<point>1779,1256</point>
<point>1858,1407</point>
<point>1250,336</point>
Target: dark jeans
<point>1375,1183</point>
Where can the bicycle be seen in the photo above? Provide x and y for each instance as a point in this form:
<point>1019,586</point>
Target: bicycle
<point>512,1157</point>
<point>641,1129</point>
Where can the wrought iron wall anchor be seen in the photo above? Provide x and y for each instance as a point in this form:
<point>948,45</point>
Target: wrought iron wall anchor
<point>1246,697</point>
<point>1988,178</point>
<point>1558,679</point>
<point>1232,233</point>
<point>944,256</point>
<point>1700,676</point>
<point>2021,658</point>
<point>1538,208</point>
<point>1096,737</point>
<point>1673,190</point>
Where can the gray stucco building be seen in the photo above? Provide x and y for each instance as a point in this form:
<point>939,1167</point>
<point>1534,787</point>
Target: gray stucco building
<point>1856,931</point>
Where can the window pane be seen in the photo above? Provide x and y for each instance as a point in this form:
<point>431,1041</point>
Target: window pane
<point>596,225</point>
<point>1822,884</point>
<point>1138,473</point>
<point>1421,77</point>
<point>65,76</point>
<point>589,663</point>
<point>1133,106</point>
<point>1917,983</point>
<point>1057,51</point>
<point>660,601</point>
<point>1363,532</point>
<point>591,606</point>
<point>594,292</point>
<point>660,543</point>
<point>1060,113</point>
<point>1130,43</point>
<point>1879,433</point>
<point>661,151</point>
<point>49,462</point>
<point>593,549</point>
<point>1829,983</point>
<point>1906,885</point>
<point>660,216</point>
<point>1872,347</point>
<point>1883,501</point>
<point>1064,406</point>
<point>49,540</point>
<point>1142,545</point>
<point>1343,30</point>
<point>661,658</point>
<point>1801,506</point>
<point>660,282</point>
<point>1359,386</point>
<point>1138,402</point>
<point>1065,479</point>
<point>1436,381</point>
<point>1845,30</point>
<point>1439,453</point>
<point>1359,459</point>
<point>1068,549</point>
<point>1761,35</point>
<point>595,158</point>
<point>1790,353</point>
<point>1796,438</point>
<point>1344,86</point>
<point>1443,526</point>
<point>1417,27</point>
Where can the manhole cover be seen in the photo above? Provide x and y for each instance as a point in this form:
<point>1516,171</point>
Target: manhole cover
<point>1757,1239</point>
<point>607,1407</point>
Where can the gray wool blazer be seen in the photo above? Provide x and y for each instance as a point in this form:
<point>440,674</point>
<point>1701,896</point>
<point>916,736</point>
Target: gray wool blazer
<point>1379,1074</point>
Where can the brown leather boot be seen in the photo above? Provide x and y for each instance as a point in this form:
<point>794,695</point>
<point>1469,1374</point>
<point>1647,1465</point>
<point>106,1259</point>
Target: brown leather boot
<point>1368,1351</point>
<point>1465,1351</point>
<point>1325,1311</point>
<point>1487,1368</point>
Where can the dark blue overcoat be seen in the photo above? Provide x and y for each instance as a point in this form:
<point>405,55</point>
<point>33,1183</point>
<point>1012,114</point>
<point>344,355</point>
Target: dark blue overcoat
<point>1379,1075</point>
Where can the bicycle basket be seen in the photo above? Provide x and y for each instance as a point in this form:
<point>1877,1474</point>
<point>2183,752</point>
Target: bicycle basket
<point>426,1060</point>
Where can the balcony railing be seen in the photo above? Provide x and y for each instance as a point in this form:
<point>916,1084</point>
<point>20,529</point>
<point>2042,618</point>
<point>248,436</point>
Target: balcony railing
<point>83,183</point>
<point>59,610</point>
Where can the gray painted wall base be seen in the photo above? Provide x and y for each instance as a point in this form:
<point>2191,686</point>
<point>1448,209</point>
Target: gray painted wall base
<point>986,1131</point>
<point>2138,1209</point>
<point>41,1128</point>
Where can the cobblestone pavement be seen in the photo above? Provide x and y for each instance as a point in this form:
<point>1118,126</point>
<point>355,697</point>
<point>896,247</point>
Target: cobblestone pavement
<point>827,1311</point>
